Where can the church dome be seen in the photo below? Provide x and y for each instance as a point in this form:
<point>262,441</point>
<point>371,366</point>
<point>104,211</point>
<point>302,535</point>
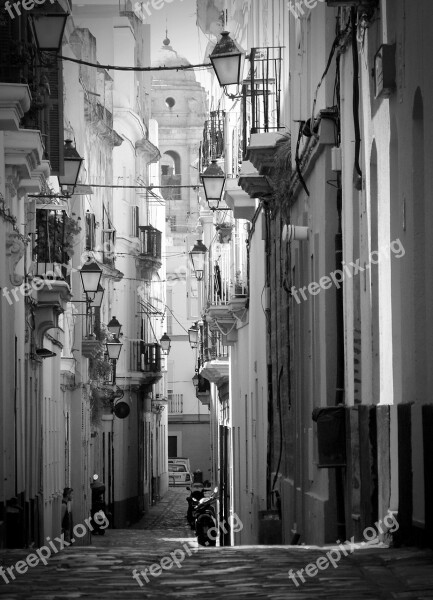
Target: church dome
<point>168,57</point>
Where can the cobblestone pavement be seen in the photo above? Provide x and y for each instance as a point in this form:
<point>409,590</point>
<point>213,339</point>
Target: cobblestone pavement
<point>104,569</point>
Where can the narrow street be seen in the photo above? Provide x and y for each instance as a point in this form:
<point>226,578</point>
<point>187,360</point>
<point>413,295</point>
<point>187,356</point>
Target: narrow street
<point>104,570</point>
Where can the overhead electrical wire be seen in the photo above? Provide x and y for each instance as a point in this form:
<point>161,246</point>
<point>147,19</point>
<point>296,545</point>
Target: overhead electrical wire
<point>139,69</point>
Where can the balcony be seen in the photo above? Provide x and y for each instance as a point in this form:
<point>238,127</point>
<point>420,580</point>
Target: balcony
<point>175,404</point>
<point>144,363</point>
<point>212,146</point>
<point>261,94</point>
<point>54,238</point>
<point>214,358</point>
<point>252,183</point>
<point>226,284</point>
<point>242,205</point>
<point>203,390</point>
<point>149,250</point>
<point>262,150</point>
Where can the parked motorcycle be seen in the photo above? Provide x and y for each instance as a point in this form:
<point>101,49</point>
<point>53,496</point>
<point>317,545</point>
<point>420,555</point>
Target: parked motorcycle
<point>197,493</point>
<point>204,519</point>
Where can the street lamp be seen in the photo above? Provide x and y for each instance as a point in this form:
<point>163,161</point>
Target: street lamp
<point>113,349</point>
<point>228,60</point>
<point>197,255</point>
<point>193,336</point>
<point>114,327</point>
<point>90,274</point>
<point>195,380</point>
<point>48,27</point>
<point>213,180</point>
<point>165,343</point>
<point>73,162</point>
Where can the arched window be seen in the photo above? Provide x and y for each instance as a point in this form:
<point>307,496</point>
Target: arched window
<point>170,163</point>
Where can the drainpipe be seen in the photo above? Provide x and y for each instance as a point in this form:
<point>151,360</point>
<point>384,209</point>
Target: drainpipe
<point>339,389</point>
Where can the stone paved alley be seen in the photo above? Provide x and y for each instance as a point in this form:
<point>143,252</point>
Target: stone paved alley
<point>104,569</point>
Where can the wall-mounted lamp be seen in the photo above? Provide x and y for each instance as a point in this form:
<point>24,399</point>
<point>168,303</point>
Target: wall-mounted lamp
<point>197,255</point>
<point>228,60</point>
<point>213,180</point>
<point>114,327</point>
<point>73,162</point>
<point>90,274</point>
<point>165,343</point>
<point>113,349</point>
<point>193,336</point>
<point>195,380</point>
<point>48,26</point>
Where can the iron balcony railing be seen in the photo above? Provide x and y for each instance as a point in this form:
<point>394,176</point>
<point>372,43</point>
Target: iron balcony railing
<point>150,242</point>
<point>227,272</point>
<point>144,357</point>
<point>175,403</point>
<point>211,345</point>
<point>49,254</point>
<point>212,146</point>
<point>261,94</point>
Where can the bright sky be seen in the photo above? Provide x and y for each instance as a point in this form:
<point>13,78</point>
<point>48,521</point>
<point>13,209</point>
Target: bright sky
<point>180,17</point>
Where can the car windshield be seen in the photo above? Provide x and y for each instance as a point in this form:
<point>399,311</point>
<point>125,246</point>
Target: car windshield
<point>177,468</point>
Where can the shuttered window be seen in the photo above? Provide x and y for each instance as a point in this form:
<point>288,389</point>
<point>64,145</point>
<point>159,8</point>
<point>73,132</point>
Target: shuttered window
<point>90,231</point>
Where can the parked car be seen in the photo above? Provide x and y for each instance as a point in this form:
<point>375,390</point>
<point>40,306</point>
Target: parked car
<point>179,460</point>
<point>178,474</point>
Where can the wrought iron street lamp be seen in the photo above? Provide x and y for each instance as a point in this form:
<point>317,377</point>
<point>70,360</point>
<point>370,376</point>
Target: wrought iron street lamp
<point>49,26</point>
<point>165,343</point>
<point>193,336</point>
<point>113,349</point>
<point>90,274</point>
<point>213,180</point>
<point>73,162</point>
<point>195,380</point>
<point>197,255</point>
<point>228,60</point>
<point>114,327</point>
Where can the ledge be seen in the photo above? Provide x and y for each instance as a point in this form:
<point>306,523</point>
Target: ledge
<point>137,378</point>
<point>261,151</point>
<point>15,100</point>
<point>24,151</point>
<point>242,205</point>
<point>254,184</point>
<point>216,371</point>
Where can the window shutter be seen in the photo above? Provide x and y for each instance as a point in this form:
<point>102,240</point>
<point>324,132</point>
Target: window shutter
<point>55,138</point>
<point>9,36</point>
<point>90,231</point>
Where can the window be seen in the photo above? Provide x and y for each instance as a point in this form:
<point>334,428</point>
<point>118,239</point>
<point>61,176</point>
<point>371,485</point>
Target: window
<point>90,231</point>
<point>135,221</point>
<point>170,102</point>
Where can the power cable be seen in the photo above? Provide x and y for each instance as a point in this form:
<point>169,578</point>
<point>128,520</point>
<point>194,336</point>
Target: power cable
<point>139,69</point>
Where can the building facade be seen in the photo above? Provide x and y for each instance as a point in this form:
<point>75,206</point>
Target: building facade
<point>67,410</point>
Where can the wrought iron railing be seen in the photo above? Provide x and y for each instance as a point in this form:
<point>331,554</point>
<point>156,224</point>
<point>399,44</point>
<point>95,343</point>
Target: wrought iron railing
<point>261,93</point>
<point>150,242</point>
<point>175,403</point>
<point>211,346</point>
<point>49,254</point>
<point>212,146</point>
<point>227,273</point>
<point>144,357</point>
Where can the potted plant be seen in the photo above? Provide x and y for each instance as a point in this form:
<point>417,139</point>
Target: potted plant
<point>224,232</point>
